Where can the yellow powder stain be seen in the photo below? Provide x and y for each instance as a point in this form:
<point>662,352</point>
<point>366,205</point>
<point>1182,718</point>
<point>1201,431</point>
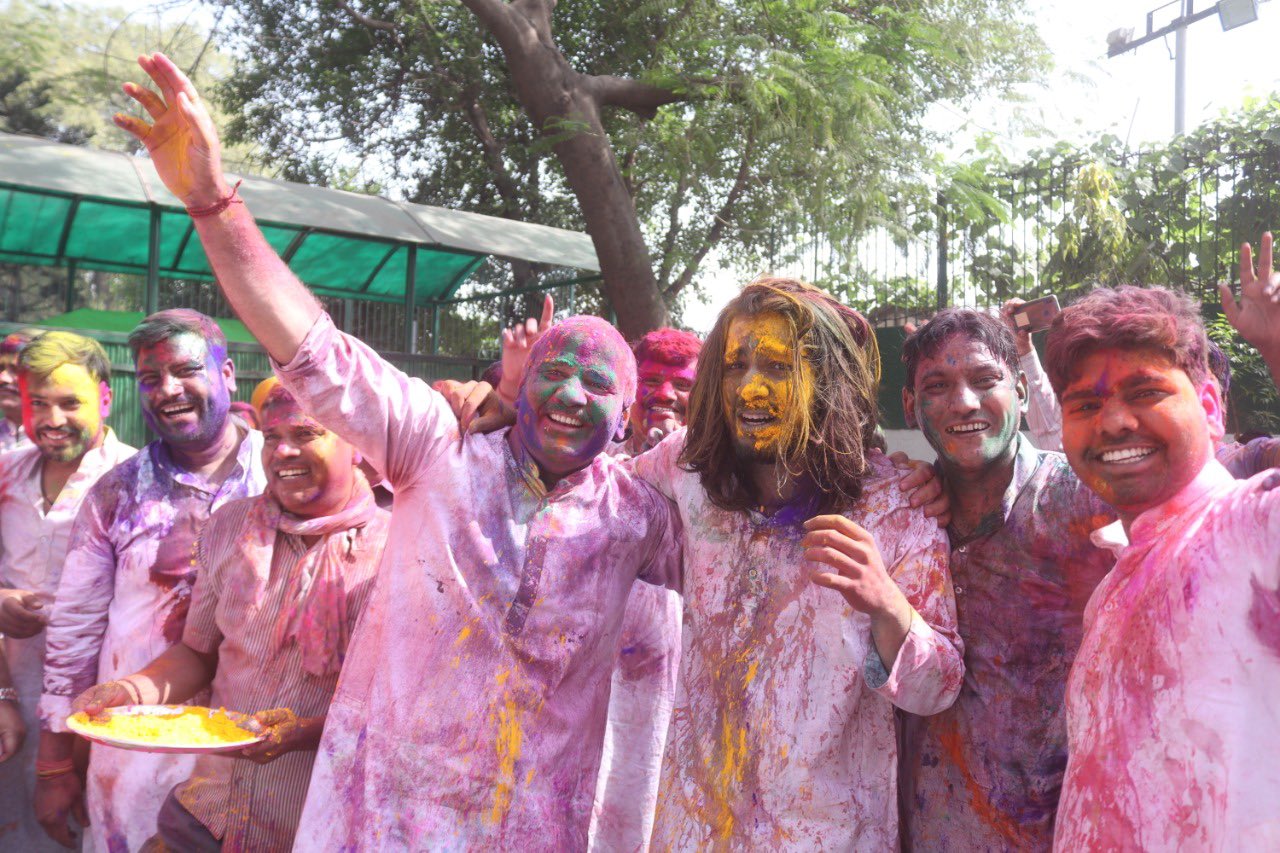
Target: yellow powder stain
<point>191,726</point>
<point>509,741</point>
<point>462,635</point>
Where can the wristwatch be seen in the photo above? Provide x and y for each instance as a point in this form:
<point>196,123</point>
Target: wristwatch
<point>10,693</point>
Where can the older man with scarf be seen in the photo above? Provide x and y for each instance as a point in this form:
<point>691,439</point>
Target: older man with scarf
<point>283,579</point>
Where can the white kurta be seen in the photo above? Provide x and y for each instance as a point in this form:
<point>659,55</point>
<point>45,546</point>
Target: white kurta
<point>783,731</point>
<point>33,546</point>
<point>123,601</point>
<point>1173,717</point>
<point>471,707</point>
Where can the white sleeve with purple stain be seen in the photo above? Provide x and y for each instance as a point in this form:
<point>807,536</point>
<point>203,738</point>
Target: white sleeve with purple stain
<point>1044,415</point>
<point>78,621</point>
<point>657,466</point>
<point>927,674</point>
<point>400,424</point>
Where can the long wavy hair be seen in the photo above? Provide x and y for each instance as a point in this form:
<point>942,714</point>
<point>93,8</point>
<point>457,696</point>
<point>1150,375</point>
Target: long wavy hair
<point>827,443</point>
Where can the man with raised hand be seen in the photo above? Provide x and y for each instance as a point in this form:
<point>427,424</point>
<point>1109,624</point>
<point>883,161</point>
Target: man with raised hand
<point>131,566</point>
<point>283,579</point>
<point>66,398</point>
<point>472,703</point>
<point>985,774</point>
<point>1172,716</point>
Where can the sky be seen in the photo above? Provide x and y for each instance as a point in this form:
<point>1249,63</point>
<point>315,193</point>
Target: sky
<point>1085,95</point>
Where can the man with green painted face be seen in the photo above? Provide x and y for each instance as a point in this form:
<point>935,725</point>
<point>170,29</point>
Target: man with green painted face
<point>986,773</point>
<point>471,707</point>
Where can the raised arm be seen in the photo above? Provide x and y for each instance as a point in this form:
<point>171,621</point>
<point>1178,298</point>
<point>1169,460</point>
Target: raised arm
<point>276,307</point>
<point>1257,315</point>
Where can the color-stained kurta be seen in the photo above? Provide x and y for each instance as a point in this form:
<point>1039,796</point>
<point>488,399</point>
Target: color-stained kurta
<point>641,697</point>
<point>237,601</point>
<point>1252,457</point>
<point>783,730</point>
<point>471,708</point>
<point>122,602</point>
<point>33,548</point>
<point>985,774</point>
<point>1172,708</point>
<point>12,436</point>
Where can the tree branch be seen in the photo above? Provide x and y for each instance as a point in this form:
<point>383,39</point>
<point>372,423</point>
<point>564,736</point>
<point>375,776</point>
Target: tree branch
<point>639,98</point>
<point>673,229</point>
<point>493,149</point>
<point>722,218</point>
<point>371,23</point>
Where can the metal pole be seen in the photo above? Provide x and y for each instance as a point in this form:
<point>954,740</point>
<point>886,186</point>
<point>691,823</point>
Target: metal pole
<point>410,292</point>
<point>943,298</point>
<point>1180,80</point>
<point>151,300</point>
<point>435,328</point>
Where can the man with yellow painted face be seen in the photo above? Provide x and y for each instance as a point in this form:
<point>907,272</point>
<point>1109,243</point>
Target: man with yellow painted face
<point>66,399</point>
<point>130,568</point>
<point>471,708</point>
<point>985,774</point>
<point>783,729</point>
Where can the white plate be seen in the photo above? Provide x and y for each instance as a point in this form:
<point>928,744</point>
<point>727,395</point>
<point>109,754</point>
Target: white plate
<point>151,746</point>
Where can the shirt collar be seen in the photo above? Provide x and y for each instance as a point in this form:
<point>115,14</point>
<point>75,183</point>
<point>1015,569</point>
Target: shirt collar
<point>1213,477</point>
<point>1026,459</point>
<point>162,460</point>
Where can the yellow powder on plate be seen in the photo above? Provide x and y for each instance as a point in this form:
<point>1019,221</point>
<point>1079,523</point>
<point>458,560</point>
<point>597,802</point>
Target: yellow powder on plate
<point>187,727</point>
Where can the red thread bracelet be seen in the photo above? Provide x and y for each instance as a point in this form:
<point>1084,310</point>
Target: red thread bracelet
<point>218,206</point>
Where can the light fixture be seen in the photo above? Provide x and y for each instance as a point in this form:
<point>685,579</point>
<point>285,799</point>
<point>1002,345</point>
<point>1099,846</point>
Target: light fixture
<point>1119,37</point>
<point>1237,13</point>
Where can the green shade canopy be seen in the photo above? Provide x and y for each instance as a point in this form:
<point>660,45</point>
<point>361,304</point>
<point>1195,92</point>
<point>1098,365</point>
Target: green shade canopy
<point>62,204</point>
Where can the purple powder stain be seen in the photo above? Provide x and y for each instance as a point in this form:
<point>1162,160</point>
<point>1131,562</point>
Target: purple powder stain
<point>1264,615</point>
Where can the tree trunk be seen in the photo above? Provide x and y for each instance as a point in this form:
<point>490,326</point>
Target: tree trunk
<point>563,104</point>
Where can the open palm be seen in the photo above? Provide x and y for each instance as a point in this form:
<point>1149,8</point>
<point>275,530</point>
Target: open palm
<point>1257,315</point>
<point>182,140</point>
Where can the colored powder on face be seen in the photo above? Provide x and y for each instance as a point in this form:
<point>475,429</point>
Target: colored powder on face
<point>187,727</point>
<point>775,388</point>
<point>85,421</point>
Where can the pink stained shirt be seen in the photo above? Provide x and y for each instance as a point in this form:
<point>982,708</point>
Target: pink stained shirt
<point>783,730</point>
<point>1172,713</point>
<point>122,601</point>
<point>471,707</point>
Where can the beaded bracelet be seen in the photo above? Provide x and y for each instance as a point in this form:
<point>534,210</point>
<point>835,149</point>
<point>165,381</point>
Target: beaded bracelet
<point>218,206</point>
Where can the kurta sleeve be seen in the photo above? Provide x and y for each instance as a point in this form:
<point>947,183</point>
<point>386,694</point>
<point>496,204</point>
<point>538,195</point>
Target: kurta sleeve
<point>928,672</point>
<point>1044,415</point>
<point>665,563</point>
<point>400,424</point>
<point>658,467</point>
<point>78,621</point>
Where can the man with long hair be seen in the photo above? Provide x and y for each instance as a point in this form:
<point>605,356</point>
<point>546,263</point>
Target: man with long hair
<point>783,730</point>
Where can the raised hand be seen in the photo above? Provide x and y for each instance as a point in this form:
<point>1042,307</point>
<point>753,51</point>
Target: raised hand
<point>1257,315</point>
<point>516,343</point>
<point>1020,335</point>
<point>181,138</point>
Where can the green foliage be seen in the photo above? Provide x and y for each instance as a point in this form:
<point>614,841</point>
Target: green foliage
<point>1254,402</point>
<point>793,117</point>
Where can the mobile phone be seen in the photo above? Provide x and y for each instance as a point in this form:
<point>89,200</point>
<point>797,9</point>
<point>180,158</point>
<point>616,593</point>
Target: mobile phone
<point>1036,315</point>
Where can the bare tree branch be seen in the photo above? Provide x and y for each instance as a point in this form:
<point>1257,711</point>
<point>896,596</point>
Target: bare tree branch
<point>639,98</point>
<point>722,219</point>
<point>673,229</point>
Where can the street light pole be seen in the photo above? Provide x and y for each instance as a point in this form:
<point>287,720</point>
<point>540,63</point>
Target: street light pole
<point>1231,13</point>
<point>1180,75</point>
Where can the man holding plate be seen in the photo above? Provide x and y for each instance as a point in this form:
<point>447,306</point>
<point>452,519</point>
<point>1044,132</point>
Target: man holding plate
<point>282,580</point>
